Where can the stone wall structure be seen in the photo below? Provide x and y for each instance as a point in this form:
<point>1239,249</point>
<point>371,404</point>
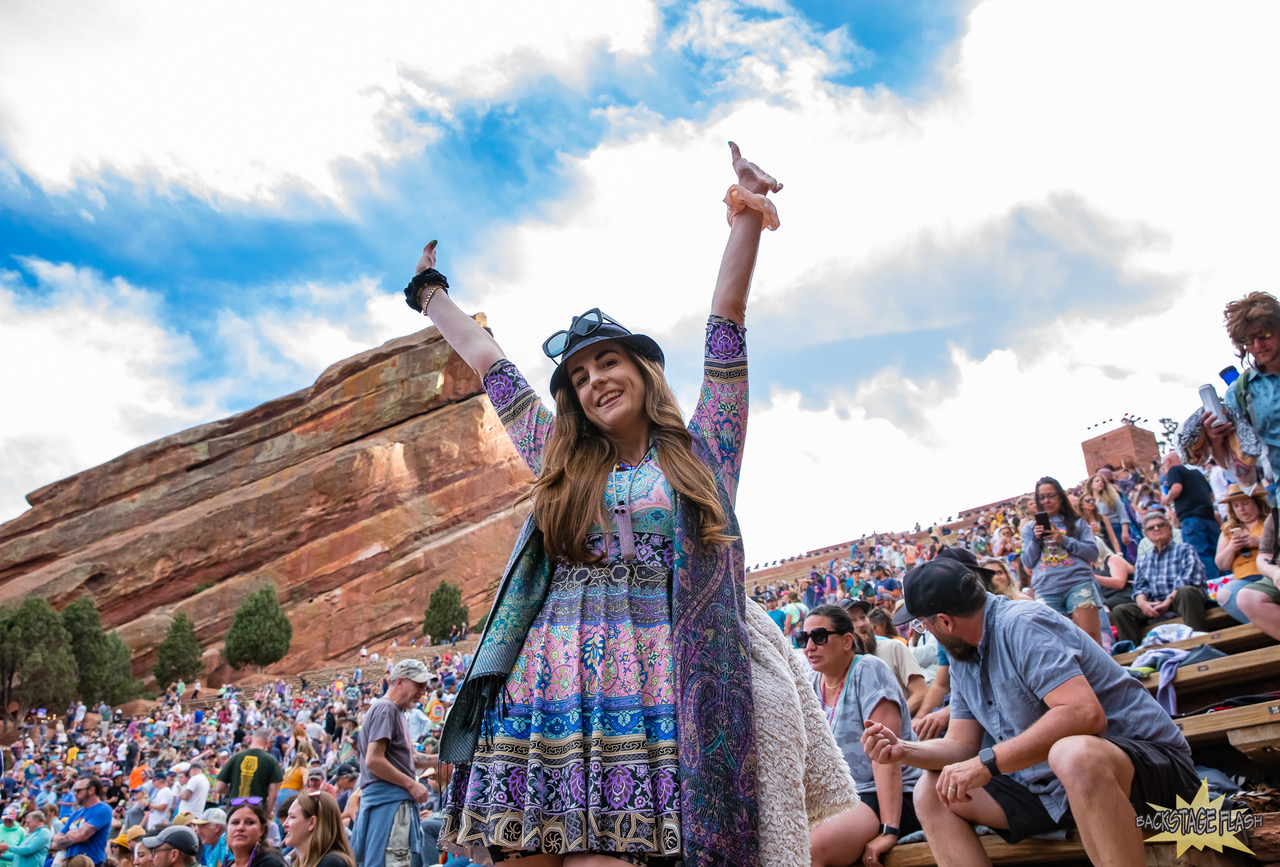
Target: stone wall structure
<point>355,497</point>
<point>1126,447</point>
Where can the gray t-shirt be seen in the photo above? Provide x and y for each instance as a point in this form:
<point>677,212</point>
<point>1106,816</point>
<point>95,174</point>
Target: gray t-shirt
<point>383,721</point>
<point>1027,651</point>
<point>869,682</point>
<point>1056,568</point>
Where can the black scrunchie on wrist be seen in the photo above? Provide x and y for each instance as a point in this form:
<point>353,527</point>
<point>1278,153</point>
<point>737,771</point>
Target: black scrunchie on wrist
<point>429,277</point>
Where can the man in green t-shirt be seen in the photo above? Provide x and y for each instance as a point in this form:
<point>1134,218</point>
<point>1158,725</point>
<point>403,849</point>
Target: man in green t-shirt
<point>252,773</point>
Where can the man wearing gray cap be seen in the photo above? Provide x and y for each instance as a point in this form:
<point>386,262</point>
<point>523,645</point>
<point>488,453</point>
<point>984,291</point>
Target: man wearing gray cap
<point>388,830</point>
<point>175,846</point>
<point>1077,740</point>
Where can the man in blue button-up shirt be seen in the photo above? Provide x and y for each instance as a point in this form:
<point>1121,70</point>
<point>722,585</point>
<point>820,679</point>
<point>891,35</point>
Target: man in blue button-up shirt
<point>1077,740</point>
<point>1168,578</point>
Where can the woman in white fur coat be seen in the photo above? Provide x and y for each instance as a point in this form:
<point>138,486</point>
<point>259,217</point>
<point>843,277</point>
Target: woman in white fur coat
<point>797,752</point>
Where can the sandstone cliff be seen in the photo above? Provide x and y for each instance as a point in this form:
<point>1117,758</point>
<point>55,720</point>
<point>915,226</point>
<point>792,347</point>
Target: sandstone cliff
<point>355,497</point>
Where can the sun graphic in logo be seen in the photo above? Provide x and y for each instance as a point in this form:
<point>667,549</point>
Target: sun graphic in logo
<point>1202,823</point>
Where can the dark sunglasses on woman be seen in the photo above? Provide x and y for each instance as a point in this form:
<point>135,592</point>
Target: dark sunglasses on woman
<point>819,636</point>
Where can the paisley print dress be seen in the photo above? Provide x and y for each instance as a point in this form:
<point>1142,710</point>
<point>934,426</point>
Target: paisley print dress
<point>583,757</point>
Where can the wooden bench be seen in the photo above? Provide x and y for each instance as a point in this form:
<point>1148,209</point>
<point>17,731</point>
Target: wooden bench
<point>1034,851</point>
<point>1226,671</point>
<point>1253,730</point>
<point>1232,639</point>
<point>1065,853</point>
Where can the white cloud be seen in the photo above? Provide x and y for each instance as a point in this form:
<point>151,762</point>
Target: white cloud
<point>320,324</point>
<point>244,100</point>
<point>94,370</point>
<point>1045,104</point>
<point>90,374</point>
<point>1150,123</point>
<point>781,55</point>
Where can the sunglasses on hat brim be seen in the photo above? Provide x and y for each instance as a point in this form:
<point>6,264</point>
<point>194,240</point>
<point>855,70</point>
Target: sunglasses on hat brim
<point>581,326</point>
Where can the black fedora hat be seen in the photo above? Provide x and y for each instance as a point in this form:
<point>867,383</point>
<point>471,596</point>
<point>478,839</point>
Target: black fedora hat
<point>590,328</point>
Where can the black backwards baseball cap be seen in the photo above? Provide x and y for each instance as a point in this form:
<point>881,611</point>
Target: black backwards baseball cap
<point>590,328</point>
<point>936,587</point>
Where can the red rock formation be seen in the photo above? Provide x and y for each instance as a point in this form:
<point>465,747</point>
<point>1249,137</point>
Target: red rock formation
<point>356,497</point>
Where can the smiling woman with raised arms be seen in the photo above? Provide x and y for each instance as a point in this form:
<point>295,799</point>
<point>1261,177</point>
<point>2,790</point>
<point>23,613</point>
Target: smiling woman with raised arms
<point>607,716</point>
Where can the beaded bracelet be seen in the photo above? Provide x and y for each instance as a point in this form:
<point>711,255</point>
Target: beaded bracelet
<point>431,291</point>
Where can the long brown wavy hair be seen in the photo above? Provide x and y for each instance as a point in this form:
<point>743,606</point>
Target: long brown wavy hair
<point>328,836</point>
<point>569,494</point>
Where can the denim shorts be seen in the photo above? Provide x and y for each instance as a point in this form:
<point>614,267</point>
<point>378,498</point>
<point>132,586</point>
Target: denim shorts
<point>1084,593</point>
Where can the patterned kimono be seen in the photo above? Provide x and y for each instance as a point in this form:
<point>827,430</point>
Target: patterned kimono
<point>584,753</point>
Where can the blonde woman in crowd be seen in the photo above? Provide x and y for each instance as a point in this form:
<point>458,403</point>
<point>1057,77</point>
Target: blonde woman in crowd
<point>313,828</point>
<point>1098,523</point>
<point>1002,582</point>
<point>296,777</point>
<point>52,815</point>
<point>1111,509</point>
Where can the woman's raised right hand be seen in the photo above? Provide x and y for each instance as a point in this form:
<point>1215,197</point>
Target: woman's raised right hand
<point>428,259</point>
<point>750,175</point>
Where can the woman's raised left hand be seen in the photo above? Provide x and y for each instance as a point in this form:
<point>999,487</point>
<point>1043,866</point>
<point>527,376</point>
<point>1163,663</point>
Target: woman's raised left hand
<point>751,176</point>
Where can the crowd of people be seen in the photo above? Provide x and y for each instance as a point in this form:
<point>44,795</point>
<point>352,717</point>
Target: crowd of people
<point>626,704</point>
<point>1114,553</point>
<point>1124,549</point>
<point>229,777</point>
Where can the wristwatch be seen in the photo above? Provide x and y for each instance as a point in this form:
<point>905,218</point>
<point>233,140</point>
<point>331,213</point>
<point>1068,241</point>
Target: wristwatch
<point>988,758</point>
<point>889,829</point>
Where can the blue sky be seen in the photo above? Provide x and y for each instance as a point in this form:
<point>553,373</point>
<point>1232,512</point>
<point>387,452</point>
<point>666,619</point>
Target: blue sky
<point>971,211</point>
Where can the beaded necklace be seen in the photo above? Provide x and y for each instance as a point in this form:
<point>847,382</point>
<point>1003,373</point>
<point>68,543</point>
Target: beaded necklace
<point>622,504</point>
<point>831,705</point>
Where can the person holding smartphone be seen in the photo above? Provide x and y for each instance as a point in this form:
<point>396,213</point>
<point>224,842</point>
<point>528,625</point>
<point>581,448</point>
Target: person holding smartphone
<point>1059,549</point>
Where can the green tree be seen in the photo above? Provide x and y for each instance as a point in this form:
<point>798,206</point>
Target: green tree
<point>178,656</point>
<point>121,686</point>
<point>37,667</point>
<point>261,632</point>
<point>88,644</point>
<point>444,611</point>
<point>103,671</point>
